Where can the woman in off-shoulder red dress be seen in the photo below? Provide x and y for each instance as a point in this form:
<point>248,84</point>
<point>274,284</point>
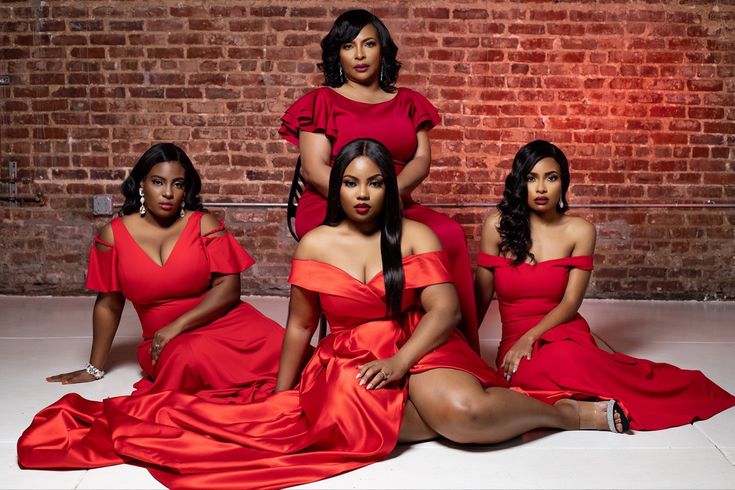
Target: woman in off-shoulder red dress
<point>393,367</point>
<point>546,344</point>
<point>361,101</point>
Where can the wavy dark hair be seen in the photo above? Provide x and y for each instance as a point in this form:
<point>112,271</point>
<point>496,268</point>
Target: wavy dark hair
<point>515,229</point>
<point>345,28</point>
<point>158,153</point>
<point>391,224</point>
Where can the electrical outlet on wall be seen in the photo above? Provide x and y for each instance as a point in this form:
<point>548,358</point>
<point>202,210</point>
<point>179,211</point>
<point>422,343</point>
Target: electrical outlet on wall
<point>102,205</point>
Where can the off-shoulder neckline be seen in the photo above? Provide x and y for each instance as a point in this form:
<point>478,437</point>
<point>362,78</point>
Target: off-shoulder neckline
<point>540,262</point>
<point>376,275</point>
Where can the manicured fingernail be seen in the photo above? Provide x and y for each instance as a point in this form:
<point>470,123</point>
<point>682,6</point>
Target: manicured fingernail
<point>359,375</point>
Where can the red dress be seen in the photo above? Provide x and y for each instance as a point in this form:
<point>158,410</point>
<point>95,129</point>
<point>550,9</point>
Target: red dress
<point>394,123</point>
<point>325,426</point>
<point>233,359</point>
<point>655,395</point>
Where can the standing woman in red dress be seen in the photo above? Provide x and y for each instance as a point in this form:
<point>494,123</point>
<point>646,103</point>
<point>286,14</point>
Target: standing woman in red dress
<point>181,270</point>
<point>359,99</point>
<point>539,261</point>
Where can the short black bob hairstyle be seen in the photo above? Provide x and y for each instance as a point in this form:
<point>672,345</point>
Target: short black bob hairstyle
<point>159,153</point>
<point>345,28</point>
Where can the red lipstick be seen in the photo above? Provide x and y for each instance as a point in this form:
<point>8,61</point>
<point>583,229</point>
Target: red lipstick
<point>362,209</point>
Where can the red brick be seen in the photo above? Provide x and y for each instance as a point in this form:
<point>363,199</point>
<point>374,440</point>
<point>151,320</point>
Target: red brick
<point>705,85</point>
<point>268,11</point>
<point>566,29</point>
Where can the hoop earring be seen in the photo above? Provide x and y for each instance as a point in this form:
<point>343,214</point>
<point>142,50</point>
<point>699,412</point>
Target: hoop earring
<point>142,202</point>
<point>341,74</point>
<point>182,213</point>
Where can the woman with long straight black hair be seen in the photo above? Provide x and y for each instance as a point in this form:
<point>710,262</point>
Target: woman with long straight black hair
<point>392,369</point>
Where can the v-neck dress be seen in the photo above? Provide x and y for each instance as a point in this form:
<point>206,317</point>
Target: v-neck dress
<point>394,123</point>
<point>327,425</point>
<point>655,395</point>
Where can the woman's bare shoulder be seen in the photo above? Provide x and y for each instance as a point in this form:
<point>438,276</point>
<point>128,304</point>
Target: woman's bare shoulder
<point>313,244</point>
<point>419,238</point>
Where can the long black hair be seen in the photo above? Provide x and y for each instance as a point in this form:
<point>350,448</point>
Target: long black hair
<point>345,28</point>
<point>515,229</point>
<point>159,153</point>
<point>391,224</point>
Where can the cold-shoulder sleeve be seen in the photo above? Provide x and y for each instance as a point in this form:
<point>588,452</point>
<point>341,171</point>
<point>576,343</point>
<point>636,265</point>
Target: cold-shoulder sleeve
<point>102,268</point>
<point>425,269</point>
<point>423,114</point>
<point>224,253</point>
<point>311,113</point>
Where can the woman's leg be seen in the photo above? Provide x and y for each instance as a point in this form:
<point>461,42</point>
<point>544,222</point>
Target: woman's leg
<point>454,404</point>
<point>413,427</point>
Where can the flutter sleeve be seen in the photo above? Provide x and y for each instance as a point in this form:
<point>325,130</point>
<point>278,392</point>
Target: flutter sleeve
<point>311,113</point>
<point>423,114</point>
<point>224,253</point>
<point>102,268</point>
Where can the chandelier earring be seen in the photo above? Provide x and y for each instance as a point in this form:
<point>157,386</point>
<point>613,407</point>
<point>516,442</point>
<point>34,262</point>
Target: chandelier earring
<point>182,213</point>
<point>142,202</point>
<point>382,72</point>
<point>341,74</point>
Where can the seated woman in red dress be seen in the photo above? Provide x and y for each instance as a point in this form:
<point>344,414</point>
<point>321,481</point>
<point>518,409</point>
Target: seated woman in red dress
<point>360,100</point>
<point>393,368</point>
<point>539,262</point>
<point>181,270</point>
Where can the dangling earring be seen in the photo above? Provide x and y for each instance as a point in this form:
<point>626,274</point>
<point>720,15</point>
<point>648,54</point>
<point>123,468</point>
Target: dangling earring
<point>382,72</point>
<point>561,204</point>
<point>341,74</point>
<point>142,202</point>
<point>182,213</point>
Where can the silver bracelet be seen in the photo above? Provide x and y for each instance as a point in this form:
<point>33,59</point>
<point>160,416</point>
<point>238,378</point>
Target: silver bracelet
<point>97,373</point>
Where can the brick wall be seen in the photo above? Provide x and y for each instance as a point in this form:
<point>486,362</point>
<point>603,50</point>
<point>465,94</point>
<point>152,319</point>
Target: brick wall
<point>639,93</point>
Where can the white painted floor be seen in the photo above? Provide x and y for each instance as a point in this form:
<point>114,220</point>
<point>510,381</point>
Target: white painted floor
<point>43,336</point>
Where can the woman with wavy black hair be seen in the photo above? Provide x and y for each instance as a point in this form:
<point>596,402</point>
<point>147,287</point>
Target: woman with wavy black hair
<point>539,261</point>
<point>181,270</point>
<point>359,99</point>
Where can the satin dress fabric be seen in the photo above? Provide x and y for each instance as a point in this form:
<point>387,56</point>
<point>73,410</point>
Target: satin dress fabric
<point>234,359</point>
<point>394,123</point>
<point>654,395</point>
<point>326,425</point>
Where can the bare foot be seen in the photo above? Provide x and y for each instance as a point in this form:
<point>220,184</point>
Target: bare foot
<point>589,415</point>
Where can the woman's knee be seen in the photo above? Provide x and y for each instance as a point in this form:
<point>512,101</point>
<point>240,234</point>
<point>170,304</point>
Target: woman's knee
<point>463,415</point>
